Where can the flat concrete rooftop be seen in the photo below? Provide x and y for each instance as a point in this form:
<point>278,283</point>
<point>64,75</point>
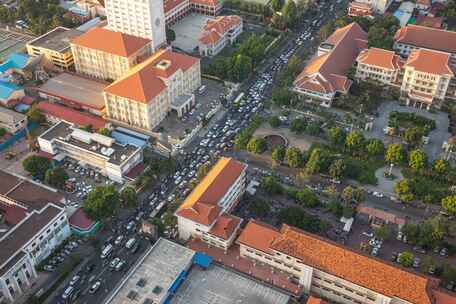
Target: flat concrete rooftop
<point>76,89</point>
<point>155,274</point>
<point>217,285</point>
<point>57,40</point>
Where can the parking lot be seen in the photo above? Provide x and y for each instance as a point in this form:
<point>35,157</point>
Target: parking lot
<point>188,31</point>
<point>206,101</point>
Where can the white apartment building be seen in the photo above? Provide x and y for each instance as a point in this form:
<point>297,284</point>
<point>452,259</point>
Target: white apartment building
<point>141,18</point>
<point>427,77</point>
<point>12,121</point>
<point>38,224</point>
<point>331,271</point>
<point>204,212</point>
<point>379,65</point>
<point>413,37</point>
<point>219,32</point>
<point>142,98</point>
<point>105,54</point>
<point>112,159</point>
<point>378,6</point>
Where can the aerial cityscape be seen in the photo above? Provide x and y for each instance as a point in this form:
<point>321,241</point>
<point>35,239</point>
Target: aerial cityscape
<point>228,151</point>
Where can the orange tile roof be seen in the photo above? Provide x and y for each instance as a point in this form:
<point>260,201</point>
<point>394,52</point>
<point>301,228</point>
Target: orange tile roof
<point>355,267</point>
<point>427,37</point>
<point>171,4</point>
<point>435,22</point>
<point>326,73</point>
<point>379,58</point>
<point>315,300</point>
<point>145,81</point>
<point>111,42</point>
<point>258,235</point>
<point>225,226</point>
<point>432,62</point>
<point>202,203</point>
<point>444,297</point>
<point>216,28</point>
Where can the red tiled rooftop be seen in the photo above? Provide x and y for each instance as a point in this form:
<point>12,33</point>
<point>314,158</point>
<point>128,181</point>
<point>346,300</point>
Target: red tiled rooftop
<point>428,61</point>
<point>71,115</point>
<point>225,226</point>
<point>315,300</point>
<point>427,37</point>
<point>80,220</point>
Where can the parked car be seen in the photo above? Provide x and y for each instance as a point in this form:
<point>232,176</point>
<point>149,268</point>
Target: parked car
<point>94,288</point>
<point>74,280</point>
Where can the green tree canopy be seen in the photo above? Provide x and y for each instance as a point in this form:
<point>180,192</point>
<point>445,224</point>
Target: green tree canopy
<point>202,171</point>
<point>257,145</point>
<point>336,136</point>
<point>337,169</point>
<point>394,154</point>
<point>36,166</point>
<point>35,115</point>
<point>441,166</point>
<point>277,4</point>
<point>298,125</point>
<point>102,202</point>
<point>278,153</point>
<point>417,159</point>
<point>293,157</point>
<point>413,135</point>
<point>355,141</point>
<point>170,35</point>
<point>404,189</point>
<point>129,197</point>
<point>271,185</point>
<point>406,259</point>
<point>274,121</point>
<point>307,198</point>
<point>375,147</point>
<point>56,177</point>
<point>449,204</point>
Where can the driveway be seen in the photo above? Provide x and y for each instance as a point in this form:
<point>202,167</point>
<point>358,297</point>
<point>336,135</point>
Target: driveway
<point>437,136</point>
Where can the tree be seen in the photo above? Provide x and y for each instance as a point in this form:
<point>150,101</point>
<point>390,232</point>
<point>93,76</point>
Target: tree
<point>313,129</point>
<point>202,171</point>
<point>170,35</point>
<point>282,96</point>
<point>449,204</point>
<point>242,67</point>
<point>129,197</point>
<point>2,132</point>
<point>417,159</point>
<point>290,13</point>
<point>375,147</point>
<point>293,157</point>
<point>297,217</point>
<point>348,212</point>
<point>102,202</point>
<point>394,154</point>
<point>277,4</point>
<point>36,166</point>
<point>326,30</point>
<point>104,131</point>
<point>355,141</point>
<point>384,232</point>
<point>278,153</point>
<point>404,189</point>
<point>314,163</point>
<point>274,121</point>
<point>35,115</point>
<point>337,169</point>
<point>87,127</point>
<point>56,177</point>
<point>412,232</point>
<point>413,135</point>
<point>298,125</point>
<point>271,185</point>
<point>336,136</point>
<point>440,166</point>
<point>348,194</point>
<point>257,145</point>
<point>406,259</point>
<point>307,198</point>
<point>260,208</point>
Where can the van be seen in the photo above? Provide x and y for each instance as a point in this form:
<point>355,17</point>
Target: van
<point>106,251</point>
<point>131,242</point>
<point>68,292</point>
<point>202,89</point>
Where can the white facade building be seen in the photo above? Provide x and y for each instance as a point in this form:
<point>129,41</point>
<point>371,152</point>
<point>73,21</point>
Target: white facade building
<point>92,149</point>
<point>144,19</point>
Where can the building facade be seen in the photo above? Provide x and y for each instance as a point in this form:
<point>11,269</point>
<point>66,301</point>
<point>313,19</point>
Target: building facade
<point>324,76</point>
<point>379,65</point>
<point>332,271</point>
<point>106,54</point>
<point>204,212</point>
<point>219,32</point>
<point>164,82</point>
<point>54,46</point>
<point>144,19</point>
<point>12,121</point>
<point>113,160</point>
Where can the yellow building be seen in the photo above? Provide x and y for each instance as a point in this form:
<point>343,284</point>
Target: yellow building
<point>142,98</point>
<point>105,54</point>
<point>55,47</point>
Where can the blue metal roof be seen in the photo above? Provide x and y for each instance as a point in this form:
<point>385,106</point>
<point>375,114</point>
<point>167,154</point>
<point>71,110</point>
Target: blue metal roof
<point>124,139</point>
<point>14,61</point>
<point>202,259</point>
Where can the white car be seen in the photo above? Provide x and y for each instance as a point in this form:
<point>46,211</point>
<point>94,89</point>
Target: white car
<point>377,194</point>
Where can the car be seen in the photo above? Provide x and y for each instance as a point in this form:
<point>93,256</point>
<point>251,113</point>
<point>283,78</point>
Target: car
<point>118,240</point>
<point>444,252</point>
<point>74,280</point>
<point>400,235</point>
<point>368,234</point>
<point>377,194</point>
<point>416,262</point>
<point>130,225</point>
<point>419,249</point>
<point>394,256</point>
<point>374,251</point>
<point>431,269</point>
<point>94,288</point>
<point>49,268</point>
<point>114,262</point>
<point>120,265</point>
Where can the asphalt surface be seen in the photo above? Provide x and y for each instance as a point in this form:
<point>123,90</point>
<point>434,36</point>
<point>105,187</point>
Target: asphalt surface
<point>255,90</point>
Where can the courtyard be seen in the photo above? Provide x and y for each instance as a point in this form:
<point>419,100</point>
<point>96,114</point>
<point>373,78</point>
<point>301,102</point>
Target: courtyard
<point>437,136</point>
<point>188,30</point>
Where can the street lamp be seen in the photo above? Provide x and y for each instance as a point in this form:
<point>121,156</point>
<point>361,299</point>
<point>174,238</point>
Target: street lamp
<point>391,169</point>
